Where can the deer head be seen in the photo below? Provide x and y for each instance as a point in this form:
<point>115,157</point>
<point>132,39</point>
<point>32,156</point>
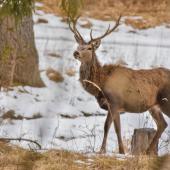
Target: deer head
<point>85,50</point>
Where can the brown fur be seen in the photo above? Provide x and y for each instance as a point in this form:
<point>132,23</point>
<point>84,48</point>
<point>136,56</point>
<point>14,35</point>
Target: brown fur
<point>138,90</point>
<point>94,73</point>
<point>129,90</point>
<point>124,89</point>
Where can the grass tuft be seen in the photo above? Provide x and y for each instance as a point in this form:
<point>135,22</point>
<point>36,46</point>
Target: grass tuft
<point>70,72</point>
<point>54,75</point>
<point>160,162</point>
<point>54,55</point>
<point>11,115</point>
<point>121,62</point>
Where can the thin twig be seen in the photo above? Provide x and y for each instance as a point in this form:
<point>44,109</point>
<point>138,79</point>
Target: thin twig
<point>28,140</point>
<point>103,95</point>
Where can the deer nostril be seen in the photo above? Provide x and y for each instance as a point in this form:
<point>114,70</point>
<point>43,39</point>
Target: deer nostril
<point>76,53</point>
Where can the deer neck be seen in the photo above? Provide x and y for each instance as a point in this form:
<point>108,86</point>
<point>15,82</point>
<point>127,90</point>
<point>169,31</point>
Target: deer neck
<point>91,72</point>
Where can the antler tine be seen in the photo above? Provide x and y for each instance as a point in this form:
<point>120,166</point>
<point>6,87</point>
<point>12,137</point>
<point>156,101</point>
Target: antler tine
<point>91,34</point>
<point>99,37</point>
<point>116,25</point>
<point>74,30</point>
<point>74,23</point>
<point>79,34</point>
<point>107,32</point>
<point>70,27</point>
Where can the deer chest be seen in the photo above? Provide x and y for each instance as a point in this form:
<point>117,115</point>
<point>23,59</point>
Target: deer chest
<point>90,87</point>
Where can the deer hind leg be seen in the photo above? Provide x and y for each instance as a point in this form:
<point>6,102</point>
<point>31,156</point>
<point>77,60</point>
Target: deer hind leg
<point>161,125</point>
<point>106,130</point>
<point>118,132</point>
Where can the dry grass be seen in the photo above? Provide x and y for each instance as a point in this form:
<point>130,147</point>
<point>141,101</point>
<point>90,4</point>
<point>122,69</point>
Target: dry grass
<point>121,62</point>
<point>154,13</point>
<point>54,75</point>
<point>126,146</point>
<point>11,115</point>
<point>88,23</point>
<point>16,158</point>
<point>70,72</point>
<point>54,55</point>
<point>41,20</point>
<point>68,116</point>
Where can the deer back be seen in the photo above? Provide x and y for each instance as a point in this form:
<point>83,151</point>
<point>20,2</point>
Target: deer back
<point>137,90</point>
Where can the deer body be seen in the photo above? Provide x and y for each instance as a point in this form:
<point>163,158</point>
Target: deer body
<point>137,91</point>
<point>123,89</point>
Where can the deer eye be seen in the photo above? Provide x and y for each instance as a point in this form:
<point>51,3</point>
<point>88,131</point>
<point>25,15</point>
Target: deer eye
<point>89,48</point>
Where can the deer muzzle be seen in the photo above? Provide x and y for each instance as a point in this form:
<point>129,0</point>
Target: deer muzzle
<point>76,55</point>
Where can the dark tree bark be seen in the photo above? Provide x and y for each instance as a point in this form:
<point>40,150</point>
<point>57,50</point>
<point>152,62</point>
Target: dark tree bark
<point>19,69</point>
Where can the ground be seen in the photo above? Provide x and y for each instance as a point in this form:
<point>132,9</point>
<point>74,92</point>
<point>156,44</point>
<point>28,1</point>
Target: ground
<point>13,157</point>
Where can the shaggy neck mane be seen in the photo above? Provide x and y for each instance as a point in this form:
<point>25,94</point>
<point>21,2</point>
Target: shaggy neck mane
<point>92,72</point>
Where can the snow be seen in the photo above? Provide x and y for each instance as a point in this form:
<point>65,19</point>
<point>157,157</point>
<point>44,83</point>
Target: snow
<point>141,50</point>
<point>78,161</point>
<point>38,4</point>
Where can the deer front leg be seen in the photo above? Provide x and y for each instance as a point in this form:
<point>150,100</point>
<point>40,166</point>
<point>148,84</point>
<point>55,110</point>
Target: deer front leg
<point>161,125</point>
<point>106,130</point>
<point>118,132</point>
<point>112,114</point>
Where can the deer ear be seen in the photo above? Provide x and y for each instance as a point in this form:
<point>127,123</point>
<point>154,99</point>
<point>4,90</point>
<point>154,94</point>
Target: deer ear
<point>79,41</point>
<point>96,44</point>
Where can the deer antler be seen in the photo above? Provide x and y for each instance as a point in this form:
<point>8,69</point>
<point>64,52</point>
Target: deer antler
<point>74,29</point>
<point>107,32</point>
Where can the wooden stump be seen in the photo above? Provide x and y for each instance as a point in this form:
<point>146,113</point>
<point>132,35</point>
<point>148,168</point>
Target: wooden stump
<point>141,140</point>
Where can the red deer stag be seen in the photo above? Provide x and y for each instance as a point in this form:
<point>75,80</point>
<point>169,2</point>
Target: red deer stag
<point>122,89</point>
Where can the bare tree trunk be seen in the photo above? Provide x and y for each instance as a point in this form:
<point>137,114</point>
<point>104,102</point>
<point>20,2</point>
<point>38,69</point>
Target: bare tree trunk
<point>22,65</point>
<point>141,140</point>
